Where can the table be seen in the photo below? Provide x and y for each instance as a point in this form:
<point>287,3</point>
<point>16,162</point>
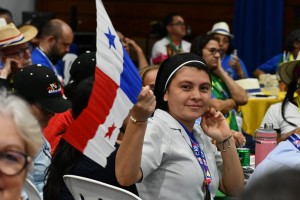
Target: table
<point>254,111</point>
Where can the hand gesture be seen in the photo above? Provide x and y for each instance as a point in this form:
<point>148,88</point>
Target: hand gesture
<point>145,106</point>
<point>131,44</point>
<point>239,138</point>
<point>10,66</point>
<point>235,63</point>
<point>218,71</point>
<point>215,125</point>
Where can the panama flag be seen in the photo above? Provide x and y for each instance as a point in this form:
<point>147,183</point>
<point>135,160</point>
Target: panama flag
<point>116,88</point>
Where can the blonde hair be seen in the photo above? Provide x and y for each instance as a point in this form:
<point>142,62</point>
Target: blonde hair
<point>26,124</point>
<point>143,72</point>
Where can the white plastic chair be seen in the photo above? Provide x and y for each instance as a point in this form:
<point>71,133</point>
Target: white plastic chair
<point>31,191</point>
<point>68,60</point>
<point>88,189</point>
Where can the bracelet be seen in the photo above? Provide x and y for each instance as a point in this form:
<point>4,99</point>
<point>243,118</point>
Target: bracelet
<point>226,140</point>
<point>135,121</point>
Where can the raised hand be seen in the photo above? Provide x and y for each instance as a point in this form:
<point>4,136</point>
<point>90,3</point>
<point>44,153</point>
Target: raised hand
<point>145,106</point>
<point>215,125</point>
<point>10,66</point>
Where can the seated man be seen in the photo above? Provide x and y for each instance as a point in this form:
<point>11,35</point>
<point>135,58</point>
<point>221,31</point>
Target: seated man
<point>54,43</point>
<point>292,47</point>
<point>173,43</point>
<point>14,50</point>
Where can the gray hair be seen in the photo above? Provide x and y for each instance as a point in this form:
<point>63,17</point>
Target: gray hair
<point>26,124</point>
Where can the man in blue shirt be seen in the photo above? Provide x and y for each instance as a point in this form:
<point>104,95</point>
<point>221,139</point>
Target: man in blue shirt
<point>291,51</point>
<point>55,41</point>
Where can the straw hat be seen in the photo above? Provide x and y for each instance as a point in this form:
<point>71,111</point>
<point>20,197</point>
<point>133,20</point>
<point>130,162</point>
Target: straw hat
<point>221,28</point>
<point>287,70</point>
<point>10,35</point>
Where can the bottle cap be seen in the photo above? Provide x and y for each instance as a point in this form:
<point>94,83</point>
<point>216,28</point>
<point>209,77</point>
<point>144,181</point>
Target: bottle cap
<point>268,126</point>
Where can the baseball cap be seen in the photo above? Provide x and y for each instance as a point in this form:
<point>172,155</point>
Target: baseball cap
<point>83,66</point>
<point>39,84</point>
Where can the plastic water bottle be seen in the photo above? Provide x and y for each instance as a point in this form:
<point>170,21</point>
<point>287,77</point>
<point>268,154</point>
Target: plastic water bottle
<point>265,142</point>
<point>234,54</point>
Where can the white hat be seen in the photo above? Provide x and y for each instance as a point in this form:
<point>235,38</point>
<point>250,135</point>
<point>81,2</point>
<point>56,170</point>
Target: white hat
<point>221,28</point>
<point>287,70</point>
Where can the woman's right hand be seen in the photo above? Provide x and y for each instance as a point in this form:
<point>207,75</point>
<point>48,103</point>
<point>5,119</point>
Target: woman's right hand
<point>145,106</point>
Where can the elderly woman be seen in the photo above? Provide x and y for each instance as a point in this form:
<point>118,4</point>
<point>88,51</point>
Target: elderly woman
<point>167,153</point>
<point>20,139</point>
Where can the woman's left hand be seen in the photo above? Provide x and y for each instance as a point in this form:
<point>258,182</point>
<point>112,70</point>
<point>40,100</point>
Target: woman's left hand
<point>215,125</point>
<point>239,138</point>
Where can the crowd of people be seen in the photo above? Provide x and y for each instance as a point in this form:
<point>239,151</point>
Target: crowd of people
<point>183,132</point>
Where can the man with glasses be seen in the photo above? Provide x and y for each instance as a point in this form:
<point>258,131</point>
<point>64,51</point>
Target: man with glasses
<point>14,50</point>
<point>39,86</point>
<point>173,42</point>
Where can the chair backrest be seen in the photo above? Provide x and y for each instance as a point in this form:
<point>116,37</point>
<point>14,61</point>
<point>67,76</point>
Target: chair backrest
<point>251,85</point>
<point>88,189</point>
<point>31,191</point>
<point>68,60</point>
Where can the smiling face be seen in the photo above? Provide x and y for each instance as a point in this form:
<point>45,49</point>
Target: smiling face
<point>10,140</point>
<point>188,95</point>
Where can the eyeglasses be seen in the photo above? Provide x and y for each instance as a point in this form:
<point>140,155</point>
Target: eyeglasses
<point>13,162</point>
<point>20,53</point>
<point>178,24</point>
<point>213,51</point>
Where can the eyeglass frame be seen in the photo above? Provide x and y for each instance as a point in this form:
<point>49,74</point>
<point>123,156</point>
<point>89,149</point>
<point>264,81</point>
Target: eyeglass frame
<point>20,53</point>
<point>27,159</point>
<point>178,24</point>
<point>213,51</point>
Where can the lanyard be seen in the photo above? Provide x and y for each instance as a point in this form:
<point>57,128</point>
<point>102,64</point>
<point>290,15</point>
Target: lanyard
<point>52,66</point>
<point>294,140</point>
<point>199,154</point>
<point>173,46</point>
<point>216,86</point>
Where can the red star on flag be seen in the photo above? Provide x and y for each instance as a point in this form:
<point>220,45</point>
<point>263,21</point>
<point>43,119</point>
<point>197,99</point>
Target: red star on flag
<point>110,131</point>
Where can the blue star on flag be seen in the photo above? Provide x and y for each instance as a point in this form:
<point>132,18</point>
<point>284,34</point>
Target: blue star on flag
<point>111,38</point>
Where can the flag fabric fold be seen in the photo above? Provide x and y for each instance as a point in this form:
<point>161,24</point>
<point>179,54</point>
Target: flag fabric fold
<point>115,90</point>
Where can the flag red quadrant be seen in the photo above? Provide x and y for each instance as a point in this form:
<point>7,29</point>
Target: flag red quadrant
<point>116,88</point>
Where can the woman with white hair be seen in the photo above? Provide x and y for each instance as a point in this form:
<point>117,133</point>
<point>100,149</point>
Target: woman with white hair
<point>20,139</point>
